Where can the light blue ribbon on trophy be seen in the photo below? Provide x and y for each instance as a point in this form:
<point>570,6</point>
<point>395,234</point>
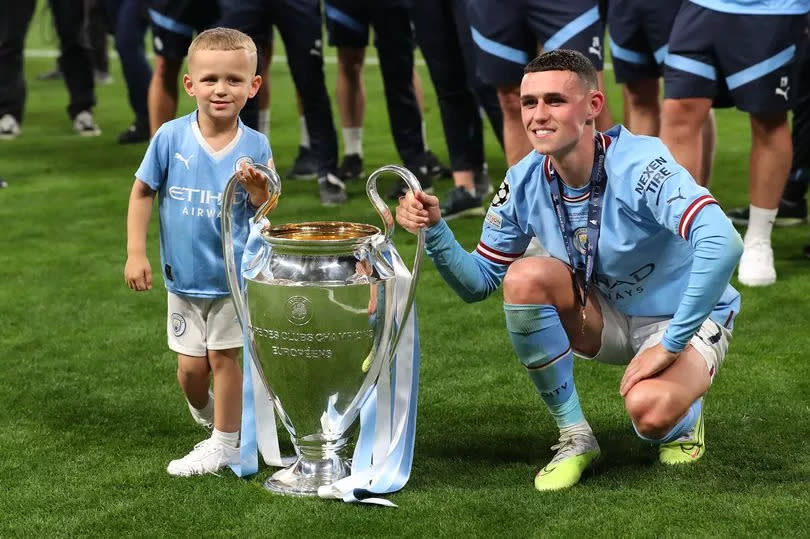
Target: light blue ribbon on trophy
<point>383,456</point>
<point>258,431</point>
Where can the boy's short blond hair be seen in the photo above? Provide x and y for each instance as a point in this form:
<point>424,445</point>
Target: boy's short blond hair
<point>222,39</point>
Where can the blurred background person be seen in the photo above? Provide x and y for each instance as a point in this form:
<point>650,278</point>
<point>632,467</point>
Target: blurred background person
<point>706,67</point>
<point>70,20</point>
<point>128,20</point>
<point>443,35</point>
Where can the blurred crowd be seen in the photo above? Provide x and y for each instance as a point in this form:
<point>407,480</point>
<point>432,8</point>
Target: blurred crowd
<point>475,51</point>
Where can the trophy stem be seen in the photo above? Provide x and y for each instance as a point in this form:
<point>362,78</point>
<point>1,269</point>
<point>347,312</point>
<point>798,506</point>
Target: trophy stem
<point>319,464</point>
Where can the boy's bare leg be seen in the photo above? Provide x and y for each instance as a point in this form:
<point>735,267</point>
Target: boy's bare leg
<point>227,389</point>
<point>193,375</point>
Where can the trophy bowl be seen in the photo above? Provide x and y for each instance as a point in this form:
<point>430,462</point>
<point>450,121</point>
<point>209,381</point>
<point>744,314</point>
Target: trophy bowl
<point>317,300</point>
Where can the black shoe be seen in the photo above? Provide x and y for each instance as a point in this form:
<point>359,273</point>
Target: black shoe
<point>483,185</point>
<point>789,214</point>
<point>305,166</point>
<point>460,202</point>
<point>332,190</point>
<point>351,168</point>
<point>806,252</point>
<point>135,133</point>
<point>436,170</point>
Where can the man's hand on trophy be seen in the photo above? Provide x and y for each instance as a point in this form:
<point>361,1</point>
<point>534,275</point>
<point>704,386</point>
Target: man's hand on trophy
<point>255,183</point>
<point>417,211</point>
<point>138,273</point>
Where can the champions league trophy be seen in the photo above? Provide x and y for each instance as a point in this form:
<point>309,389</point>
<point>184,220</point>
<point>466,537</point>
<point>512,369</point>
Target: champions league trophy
<point>320,302</point>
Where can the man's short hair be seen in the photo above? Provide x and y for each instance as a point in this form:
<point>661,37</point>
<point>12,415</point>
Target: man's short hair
<point>221,39</point>
<point>565,60</point>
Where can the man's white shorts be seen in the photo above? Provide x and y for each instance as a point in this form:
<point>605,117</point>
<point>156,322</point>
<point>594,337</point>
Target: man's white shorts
<point>196,325</point>
<point>624,337</point>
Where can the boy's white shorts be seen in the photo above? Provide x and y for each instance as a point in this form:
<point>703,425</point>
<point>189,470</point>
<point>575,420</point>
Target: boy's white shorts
<point>624,337</point>
<point>196,325</point>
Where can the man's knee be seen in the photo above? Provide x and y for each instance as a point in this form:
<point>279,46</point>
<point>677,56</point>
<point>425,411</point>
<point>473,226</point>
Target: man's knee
<point>651,410</point>
<point>685,113</point>
<point>535,280</point>
<point>351,62</point>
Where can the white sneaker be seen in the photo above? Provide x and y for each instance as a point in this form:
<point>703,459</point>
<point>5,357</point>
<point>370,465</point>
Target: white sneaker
<point>756,264</point>
<point>9,128</point>
<point>202,418</point>
<point>84,125</point>
<point>208,456</point>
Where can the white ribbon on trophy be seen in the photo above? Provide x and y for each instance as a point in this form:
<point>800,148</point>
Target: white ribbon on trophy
<point>383,455</point>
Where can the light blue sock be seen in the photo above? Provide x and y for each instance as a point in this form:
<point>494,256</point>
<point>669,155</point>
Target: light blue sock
<point>542,346</point>
<point>683,426</point>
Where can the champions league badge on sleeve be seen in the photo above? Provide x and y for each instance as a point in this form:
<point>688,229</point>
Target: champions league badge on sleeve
<point>501,195</point>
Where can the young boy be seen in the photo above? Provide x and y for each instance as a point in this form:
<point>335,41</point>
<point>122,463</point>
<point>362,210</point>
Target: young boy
<point>188,163</point>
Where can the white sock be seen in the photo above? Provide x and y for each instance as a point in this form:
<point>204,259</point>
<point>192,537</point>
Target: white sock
<point>264,121</point>
<point>424,135</point>
<point>353,141</point>
<point>302,132</point>
<point>228,439</point>
<point>760,224</point>
<point>581,427</point>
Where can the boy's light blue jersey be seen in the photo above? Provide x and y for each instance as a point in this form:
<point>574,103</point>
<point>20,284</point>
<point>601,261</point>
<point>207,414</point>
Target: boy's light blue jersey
<point>190,178</point>
<point>757,7</point>
<point>653,214</point>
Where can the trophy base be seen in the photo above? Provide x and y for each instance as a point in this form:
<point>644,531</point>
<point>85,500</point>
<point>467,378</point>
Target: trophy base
<point>304,477</point>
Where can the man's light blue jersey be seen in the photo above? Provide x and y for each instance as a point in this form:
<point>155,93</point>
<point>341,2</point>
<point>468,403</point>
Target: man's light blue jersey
<point>757,7</point>
<point>658,246</point>
<point>190,178</point>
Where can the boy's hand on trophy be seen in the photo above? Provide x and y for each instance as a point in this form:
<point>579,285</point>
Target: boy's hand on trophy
<point>417,211</point>
<point>138,273</point>
<point>255,183</point>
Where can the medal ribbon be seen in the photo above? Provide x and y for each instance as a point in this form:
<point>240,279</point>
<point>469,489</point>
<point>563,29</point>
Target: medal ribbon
<point>598,183</point>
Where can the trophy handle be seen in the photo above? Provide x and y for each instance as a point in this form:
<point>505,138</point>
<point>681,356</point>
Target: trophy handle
<point>388,221</point>
<point>274,187</point>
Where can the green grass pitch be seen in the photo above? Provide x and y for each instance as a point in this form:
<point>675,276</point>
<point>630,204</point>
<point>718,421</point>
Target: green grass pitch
<point>90,412</point>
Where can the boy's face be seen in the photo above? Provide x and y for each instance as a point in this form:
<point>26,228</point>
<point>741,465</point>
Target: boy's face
<point>221,81</point>
<point>555,106</point>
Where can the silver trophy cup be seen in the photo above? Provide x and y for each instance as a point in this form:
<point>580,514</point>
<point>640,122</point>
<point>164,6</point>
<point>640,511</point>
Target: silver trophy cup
<point>318,301</point>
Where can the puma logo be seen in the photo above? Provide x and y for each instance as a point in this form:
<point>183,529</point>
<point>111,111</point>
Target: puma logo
<point>184,160</point>
<point>670,200</point>
<point>595,48</point>
<point>783,87</point>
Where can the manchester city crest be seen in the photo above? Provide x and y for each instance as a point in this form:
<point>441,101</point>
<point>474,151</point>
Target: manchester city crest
<point>178,324</point>
<point>244,160</point>
<point>581,239</point>
<point>299,310</point>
